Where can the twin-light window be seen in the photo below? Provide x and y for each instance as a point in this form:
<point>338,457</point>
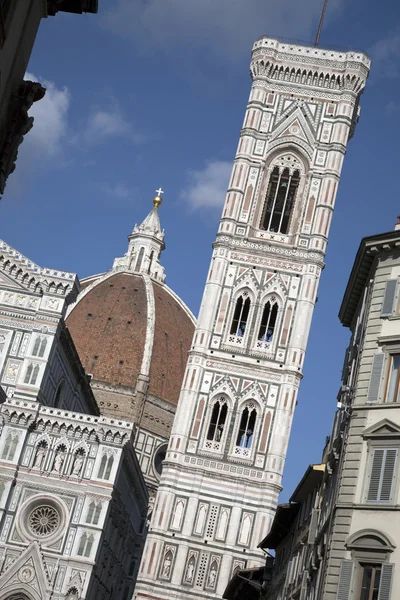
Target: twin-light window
<point>245,431</point>
<point>266,327</point>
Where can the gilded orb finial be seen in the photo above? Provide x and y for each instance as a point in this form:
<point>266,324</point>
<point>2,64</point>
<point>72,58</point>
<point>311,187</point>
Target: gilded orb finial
<point>157,200</point>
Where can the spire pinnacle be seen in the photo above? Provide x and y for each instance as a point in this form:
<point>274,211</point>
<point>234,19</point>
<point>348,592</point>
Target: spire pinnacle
<point>146,242</point>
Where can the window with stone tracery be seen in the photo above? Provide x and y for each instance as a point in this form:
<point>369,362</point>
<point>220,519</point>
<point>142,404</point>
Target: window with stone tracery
<point>240,316</point>
<point>93,513</point>
<point>280,199</point>
<point>10,446</point>
<point>217,424</point>
<point>106,465</point>
<point>245,434</point>
<point>39,347</point>
<point>85,545</point>
<point>31,374</point>
<point>268,324</point>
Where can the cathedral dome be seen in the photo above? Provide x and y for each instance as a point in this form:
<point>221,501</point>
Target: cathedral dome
<point>127,324</point>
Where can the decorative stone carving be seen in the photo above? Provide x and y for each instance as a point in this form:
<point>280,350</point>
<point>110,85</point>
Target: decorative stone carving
<point>26,574</point>
<point>43,521</point>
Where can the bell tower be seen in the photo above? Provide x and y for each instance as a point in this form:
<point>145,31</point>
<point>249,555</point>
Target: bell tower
<point>223,469</point>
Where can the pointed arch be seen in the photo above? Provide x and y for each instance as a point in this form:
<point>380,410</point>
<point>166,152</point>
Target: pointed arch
<point>102,467</point>
<point>36,345</point>
<point>246,428</point>
<point>139,259</point>
<point>241,314</point>
<point>216,426</point>
<point>280,198</point>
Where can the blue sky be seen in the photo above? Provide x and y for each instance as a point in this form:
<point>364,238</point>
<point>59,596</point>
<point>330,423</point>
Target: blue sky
<point>153,92</point>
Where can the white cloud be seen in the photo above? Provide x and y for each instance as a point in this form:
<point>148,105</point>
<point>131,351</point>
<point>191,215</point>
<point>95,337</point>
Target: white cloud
<point>392,107</point>
<point>118,190</point>
<point>50,119</point>
<point>226,27</point>
<point>104,123</point>
<point>384,54</point>
<point>206,188</point>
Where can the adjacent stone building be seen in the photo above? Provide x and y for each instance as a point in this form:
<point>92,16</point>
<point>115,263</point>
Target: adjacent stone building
<point>223,469</point>
<point>73,501</point>
<point>133,334</point>
<point>19,23</point>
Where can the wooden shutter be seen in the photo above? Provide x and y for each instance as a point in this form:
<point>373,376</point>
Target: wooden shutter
<point>376,376</point>
<point>312,532</point>
<point>388,475</point>
<point>345,577</point>
<point>389,299</point>
<point>385,587</point>
<point>382,475</point>
<point>303,591</point>
<point>289,568</point>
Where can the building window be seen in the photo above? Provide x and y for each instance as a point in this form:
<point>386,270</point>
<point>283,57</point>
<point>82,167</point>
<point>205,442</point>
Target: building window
<point>39,347</point>
<point>268,323</point>
<point>240,316</point>
<point>10,446</point>
<point>392,394</point>
<point>370,580</point>
<point>105,467</point>
<point>31,374</point>
<point>244,439</point>
<point>93,515</point>
<point>280,199</point>
<point>140,259</point>
<point>382,475</point>
<point>217,421</point>
<point>85,545</point>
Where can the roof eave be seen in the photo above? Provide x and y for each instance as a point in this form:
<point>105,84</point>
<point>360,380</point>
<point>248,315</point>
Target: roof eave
<point>369,248</point>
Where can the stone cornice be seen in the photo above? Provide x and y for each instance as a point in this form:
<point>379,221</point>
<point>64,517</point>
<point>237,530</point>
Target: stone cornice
<point>370,247</point>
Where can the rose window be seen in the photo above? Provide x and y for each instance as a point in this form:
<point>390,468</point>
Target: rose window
<point>43,520</point>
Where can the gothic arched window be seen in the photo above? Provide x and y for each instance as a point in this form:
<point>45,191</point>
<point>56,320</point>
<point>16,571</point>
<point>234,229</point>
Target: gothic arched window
<point>85,545</point>
<point>93,513</point>
<point>42,348</point>
<point>105,467</point>
<point>36,346</point>
<point>268,322</point>
<point>10,446</point>
<point>217,421</point>
<point>241,315</point>
<point>280,199</point>
<point>140,259</point>
<point>31,374</point>
<point>246,427</point>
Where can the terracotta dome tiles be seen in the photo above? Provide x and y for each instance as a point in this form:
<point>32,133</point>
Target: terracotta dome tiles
<point>109,325</point>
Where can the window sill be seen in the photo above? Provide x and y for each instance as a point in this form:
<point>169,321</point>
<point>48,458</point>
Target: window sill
<point>364,506</point>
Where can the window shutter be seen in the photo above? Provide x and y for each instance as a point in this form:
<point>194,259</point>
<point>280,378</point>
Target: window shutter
<point>382,475</point>
<point>345,577</point>
<point>346,361</point>
<point>388,475</point>
<point>389,299</point>
<point>385,587</point>
<point>303,591</point>
<point>376,376</point>
<point>288,572</point>
<point>312,532</point>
